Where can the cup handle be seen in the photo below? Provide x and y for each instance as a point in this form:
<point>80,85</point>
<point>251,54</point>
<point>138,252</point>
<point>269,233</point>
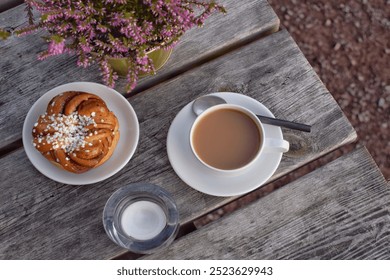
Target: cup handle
<point>276,145</point>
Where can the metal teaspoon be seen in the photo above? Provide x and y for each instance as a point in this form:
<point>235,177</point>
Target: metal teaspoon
<point>204,102</point>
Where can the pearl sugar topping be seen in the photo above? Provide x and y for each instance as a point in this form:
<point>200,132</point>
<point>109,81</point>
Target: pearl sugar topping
<point>69,131</point>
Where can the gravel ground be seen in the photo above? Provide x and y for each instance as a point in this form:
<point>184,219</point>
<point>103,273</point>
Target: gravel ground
<point>348,45</point>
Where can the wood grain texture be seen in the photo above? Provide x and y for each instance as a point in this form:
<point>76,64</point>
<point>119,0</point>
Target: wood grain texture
<point>23,79</point>
<point>65,221</point>
<point>340,211</point>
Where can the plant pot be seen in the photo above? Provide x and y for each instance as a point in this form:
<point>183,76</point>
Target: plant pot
<point>159,58</point>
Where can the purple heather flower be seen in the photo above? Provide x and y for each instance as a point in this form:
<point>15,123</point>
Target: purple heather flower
<point>56,47</point>
<point>97,29</point>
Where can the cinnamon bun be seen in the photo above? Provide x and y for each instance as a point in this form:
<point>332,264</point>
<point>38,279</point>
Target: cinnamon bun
<point>77,133</point>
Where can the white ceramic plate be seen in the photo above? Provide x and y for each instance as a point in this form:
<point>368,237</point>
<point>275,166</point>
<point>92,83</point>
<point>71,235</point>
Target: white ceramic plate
<point>212,182</point>
<point>128,127</point>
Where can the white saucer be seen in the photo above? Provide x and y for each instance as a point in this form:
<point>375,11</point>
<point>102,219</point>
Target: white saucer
<point>211,182</point>
<point>128,127</point>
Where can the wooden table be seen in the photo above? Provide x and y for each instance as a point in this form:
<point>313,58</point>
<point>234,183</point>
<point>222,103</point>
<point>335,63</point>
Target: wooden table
<point>338,211</point>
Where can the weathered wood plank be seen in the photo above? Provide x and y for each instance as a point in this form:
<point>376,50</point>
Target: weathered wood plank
<point>64,221</point>
<point>23,79</point>
<point>340,211</point>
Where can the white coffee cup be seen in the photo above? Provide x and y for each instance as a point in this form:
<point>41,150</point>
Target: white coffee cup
<point>266,145</point>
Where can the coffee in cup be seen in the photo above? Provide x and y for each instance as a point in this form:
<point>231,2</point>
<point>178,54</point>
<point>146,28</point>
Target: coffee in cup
<point>229,137</point>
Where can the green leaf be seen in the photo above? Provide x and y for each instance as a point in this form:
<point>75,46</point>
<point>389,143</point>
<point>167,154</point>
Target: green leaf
<point>4,34</point>
<point>56,38</point>
<point>44,17</point>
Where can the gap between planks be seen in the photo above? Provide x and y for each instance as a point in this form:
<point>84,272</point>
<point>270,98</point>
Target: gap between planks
<point>170,75</point>
<point>358,230</point>
<point>240,202</point>
<point>200,61</point>
<point>8,4</point>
